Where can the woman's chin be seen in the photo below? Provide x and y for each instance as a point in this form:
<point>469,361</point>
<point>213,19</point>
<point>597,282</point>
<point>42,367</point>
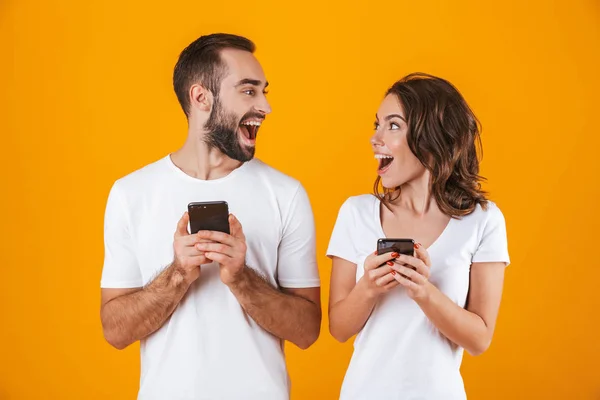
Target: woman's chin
<point>389,183</point>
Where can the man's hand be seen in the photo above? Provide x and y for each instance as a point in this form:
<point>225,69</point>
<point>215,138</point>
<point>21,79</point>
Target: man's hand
<point>188,258</point>
<point>228,250</point>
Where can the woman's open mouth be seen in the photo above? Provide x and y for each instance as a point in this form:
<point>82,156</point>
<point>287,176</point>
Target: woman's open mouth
<point>384,162</point>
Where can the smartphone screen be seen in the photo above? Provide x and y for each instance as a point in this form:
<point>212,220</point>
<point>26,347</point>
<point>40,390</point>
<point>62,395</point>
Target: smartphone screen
<point>400,246</point>
<point>209,216</point>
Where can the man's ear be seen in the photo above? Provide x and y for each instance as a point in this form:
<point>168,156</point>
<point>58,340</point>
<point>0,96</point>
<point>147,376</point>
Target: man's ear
<point>200,98</point>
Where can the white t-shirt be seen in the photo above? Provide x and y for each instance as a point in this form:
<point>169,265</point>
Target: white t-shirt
<point>399,353</point>
<point>210,348</point>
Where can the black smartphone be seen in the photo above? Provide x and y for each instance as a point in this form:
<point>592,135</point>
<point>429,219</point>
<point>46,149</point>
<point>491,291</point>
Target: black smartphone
<point>400,246</point>
<point>209,216</point>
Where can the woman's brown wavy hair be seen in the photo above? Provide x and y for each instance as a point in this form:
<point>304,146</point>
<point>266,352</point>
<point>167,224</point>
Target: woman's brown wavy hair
<point>444,134</point>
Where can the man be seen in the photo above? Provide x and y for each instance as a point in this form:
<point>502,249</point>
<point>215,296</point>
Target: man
<point>212,310</point>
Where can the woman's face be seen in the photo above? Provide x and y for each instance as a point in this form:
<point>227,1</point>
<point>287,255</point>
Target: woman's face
<point>397,163</point>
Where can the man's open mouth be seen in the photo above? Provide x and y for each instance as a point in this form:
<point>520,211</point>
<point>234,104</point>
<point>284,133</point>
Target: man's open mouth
<point>250,128</point>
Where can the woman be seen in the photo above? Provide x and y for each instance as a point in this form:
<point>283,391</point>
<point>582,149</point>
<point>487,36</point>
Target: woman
<point>415,315</point>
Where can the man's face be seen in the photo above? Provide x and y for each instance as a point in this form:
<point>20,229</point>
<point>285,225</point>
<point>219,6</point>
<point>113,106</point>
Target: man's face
<point>240,106</point>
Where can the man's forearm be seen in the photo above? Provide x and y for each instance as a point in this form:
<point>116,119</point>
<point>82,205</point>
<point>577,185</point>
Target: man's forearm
<point>129,318</point>
<point>286,316</point>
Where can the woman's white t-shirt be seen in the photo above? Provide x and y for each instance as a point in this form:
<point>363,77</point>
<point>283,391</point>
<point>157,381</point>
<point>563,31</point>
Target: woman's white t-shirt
<point>399,353</point>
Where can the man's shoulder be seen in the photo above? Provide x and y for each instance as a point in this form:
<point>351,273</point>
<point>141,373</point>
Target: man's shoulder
<point>148,175</point>
<point>272,176</point>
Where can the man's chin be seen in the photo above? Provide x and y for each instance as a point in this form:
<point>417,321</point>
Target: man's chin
<point>247,147</point>
<point>248,154</point>
<point>243,154</point>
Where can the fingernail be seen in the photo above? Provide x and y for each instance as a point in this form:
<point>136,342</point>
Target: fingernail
<point>395,255</point>
<point>375,252</point>
<point>393,272</point>
<point>390,263</point>
<point>417,245</point>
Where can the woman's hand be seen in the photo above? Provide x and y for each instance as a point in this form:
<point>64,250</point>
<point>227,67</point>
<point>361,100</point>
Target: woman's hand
<point>379,275</point>
<point>413,273</point>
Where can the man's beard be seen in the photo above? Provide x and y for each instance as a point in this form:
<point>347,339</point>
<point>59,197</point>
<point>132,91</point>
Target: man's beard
<point>222,133</point>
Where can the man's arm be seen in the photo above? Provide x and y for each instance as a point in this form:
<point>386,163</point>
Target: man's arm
<point>129,315</point>
<point>290,314</point>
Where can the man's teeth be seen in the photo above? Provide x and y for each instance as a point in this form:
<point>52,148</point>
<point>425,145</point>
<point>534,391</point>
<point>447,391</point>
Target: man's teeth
<point>255,123</point>
<point>379,156</point>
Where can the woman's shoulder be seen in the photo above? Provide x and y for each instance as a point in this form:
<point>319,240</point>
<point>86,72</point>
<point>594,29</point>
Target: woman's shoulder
<point>359,203</point>
<point>487,212</point>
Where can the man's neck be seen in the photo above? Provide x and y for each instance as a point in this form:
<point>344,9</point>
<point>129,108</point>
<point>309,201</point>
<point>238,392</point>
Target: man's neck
<point>199,161</point>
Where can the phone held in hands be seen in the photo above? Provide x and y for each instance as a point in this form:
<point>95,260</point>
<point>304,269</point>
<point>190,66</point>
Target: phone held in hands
<point>396,245</point>
<point>209,216</point>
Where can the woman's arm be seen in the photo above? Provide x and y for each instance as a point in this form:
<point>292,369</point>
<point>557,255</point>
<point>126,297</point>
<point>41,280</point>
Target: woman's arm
<point>472,327</point>
<point>351,302</point>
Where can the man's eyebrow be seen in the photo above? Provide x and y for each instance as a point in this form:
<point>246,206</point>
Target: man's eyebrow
<point>253,82</point>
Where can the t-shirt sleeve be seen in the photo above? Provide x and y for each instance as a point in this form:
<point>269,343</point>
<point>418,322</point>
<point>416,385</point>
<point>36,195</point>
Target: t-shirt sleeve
<point>341,243</point>
<point>297,259</point>
<point>120,269</point>
<point>493,246</point>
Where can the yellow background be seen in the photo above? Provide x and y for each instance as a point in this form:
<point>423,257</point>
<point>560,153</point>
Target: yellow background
<point>86,97</point>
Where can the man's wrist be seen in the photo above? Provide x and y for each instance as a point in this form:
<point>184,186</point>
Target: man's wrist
<point>240,278</point>
<point>178,276</point>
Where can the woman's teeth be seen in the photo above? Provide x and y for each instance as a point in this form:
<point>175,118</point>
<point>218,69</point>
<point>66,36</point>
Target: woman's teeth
<point>384,160</point>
